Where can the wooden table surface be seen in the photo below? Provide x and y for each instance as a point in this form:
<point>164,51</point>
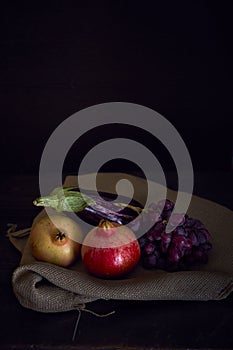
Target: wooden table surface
<point>135,325</point>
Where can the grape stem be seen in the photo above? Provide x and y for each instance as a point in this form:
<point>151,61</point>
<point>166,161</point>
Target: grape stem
<point>123,205</point>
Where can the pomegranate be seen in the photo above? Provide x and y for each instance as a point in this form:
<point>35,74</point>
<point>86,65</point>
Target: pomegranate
<point>110,250</point>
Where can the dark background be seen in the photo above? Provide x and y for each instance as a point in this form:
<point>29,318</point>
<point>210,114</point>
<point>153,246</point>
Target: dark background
<point>172,56</point>
<point>58,58</point>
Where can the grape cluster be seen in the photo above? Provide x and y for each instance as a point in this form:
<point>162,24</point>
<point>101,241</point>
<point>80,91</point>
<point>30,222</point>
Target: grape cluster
<point>185,245</point>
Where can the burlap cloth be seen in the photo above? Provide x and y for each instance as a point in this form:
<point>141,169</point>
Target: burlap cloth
<point>48,288</point>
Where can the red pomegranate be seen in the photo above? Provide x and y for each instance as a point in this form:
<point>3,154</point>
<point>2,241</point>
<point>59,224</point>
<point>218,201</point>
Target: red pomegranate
<point>110,250</point>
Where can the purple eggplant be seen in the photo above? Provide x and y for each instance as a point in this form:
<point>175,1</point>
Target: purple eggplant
<point>90,207</point>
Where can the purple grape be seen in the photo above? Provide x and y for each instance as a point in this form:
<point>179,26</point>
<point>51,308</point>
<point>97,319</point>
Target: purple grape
<point>165,242</point>
<point>150,235</point>
<point>189,222</point>
<point>186,245</point>
<point>142,242</point>
<point>174,254</point>
<point>202,236</point>
<point>182,242</point>
<point>161,263</point>
<point>200,255</point>
<point>193,238</point>
<point>165,204</point>
<point>180,230</point>
<point>166,215</point>
<point>158,230</point>
<point>149,261</point>
<point>177,220</point>
<point>149,248</point>
<point>199,225</point>
<point>154,217</point>
<point>151,218</point>
<point>206,233</point>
